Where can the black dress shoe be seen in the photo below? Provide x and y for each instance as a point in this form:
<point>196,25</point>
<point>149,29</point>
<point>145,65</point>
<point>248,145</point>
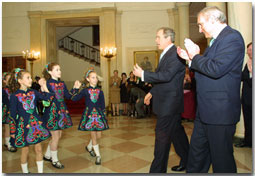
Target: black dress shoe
<point>242,144</point>
<point>178,168</point>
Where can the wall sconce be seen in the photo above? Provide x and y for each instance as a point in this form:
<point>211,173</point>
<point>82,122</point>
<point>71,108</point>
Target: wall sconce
<point>31,57</point>
<point>108,52</point>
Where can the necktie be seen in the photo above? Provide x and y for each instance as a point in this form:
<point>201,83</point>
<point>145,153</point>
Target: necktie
<point>211,42</point>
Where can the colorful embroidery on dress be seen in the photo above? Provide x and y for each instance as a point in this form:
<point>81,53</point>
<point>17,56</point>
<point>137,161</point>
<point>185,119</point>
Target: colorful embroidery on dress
<point>94,120</point>
<point>94,94</point>
<point>52,123</point>
<point>12,125</point>
<point>83,122</point>
<point>27,101</point>
<point>19,142</point>
<point>58,89</point>
<point>64,117</point>
<point>36,131</point>
<point>4,113</point>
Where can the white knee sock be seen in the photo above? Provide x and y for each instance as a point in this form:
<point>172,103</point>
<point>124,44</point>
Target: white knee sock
<point>39,166</point>
<point>7,142</point>
<point>90,145</point>
<point>47,153</point>
<point>96,149</point>
<point>24,168</point>
<point>54,156</point>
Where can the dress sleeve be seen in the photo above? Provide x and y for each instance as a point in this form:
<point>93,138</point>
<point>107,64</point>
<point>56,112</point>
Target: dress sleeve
<point>77,95</point>
<point>14,113</point>
<point>44,96</point>
<point>68,95</point>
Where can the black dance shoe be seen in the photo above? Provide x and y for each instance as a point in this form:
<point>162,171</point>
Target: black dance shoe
<point>46,159</point>
<point>58,165</point>
<point>178,168</point>
<point>98,160</point>
<point>91,152</point>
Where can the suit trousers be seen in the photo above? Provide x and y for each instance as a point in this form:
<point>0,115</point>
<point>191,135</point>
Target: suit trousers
<point>247,116</point>
<point>211,144</point>
<point>168,130</point>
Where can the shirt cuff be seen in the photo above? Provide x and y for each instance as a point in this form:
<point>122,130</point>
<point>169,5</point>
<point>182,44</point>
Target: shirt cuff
<point>142,77</point>
<point>250,74</point>
<point>190,63</point>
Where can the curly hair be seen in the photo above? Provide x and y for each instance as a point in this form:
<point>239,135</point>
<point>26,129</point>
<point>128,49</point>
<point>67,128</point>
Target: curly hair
<point>5,74</point>
<point>16,74</point>
<point>48,67</point>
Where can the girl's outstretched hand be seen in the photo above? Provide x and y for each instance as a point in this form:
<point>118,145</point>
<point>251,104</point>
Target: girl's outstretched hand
<point>77,84</point>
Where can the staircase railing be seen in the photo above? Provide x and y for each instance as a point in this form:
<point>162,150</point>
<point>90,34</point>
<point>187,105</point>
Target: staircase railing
<point>79,49</point>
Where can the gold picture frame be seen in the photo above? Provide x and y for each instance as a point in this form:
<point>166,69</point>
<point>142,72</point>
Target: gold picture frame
<point>148,60</point>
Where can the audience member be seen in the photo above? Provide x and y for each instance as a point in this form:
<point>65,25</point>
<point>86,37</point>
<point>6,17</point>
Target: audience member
<point>115,92</point>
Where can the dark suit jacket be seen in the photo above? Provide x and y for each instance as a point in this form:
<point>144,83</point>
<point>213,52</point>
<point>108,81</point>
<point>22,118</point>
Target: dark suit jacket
<point>167,91</point>
<point>247,87</point>
<point>218,79</point>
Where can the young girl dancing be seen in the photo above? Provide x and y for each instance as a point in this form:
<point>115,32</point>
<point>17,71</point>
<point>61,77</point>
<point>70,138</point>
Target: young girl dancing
<point>27,127</point>
<point>6,111</point>
<point>93,118</point>
<point>56,116</point>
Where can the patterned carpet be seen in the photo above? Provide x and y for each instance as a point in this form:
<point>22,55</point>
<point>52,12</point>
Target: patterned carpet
<point>127,147</point>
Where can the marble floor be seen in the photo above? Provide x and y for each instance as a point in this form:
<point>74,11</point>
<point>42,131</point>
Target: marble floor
<point>127,147</point>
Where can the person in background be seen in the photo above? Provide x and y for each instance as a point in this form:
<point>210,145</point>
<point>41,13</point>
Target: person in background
<point>131,83</point>
<point>124,93</point>
<point>247,100</point>
<point>115,93</point>
<point>139,105</point>
<point>36,86</point>
<point>189,113</point>
<point>6,94</point>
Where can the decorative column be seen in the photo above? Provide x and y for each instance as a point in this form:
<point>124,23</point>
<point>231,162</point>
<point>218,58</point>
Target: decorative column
<point>183,9</point>
<point>35,40</point>
<point>119,61</point>
<point>240,18</point>
<point>107,39</point>
<point>173,16</point>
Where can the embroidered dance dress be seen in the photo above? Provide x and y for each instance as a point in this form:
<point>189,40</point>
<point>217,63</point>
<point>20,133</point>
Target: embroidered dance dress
<point>57,116</point>
<point>5,105</point>
<point>93,117</point>
<point>25,122</point>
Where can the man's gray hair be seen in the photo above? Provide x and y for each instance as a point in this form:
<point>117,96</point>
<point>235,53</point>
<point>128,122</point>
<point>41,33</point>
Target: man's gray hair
<point>168,32</point>
<point>213,12</point>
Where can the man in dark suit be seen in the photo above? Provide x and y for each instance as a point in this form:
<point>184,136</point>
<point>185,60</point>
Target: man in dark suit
<point>168,105</point>
<point>218,79</point>
<point>247,100</point>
